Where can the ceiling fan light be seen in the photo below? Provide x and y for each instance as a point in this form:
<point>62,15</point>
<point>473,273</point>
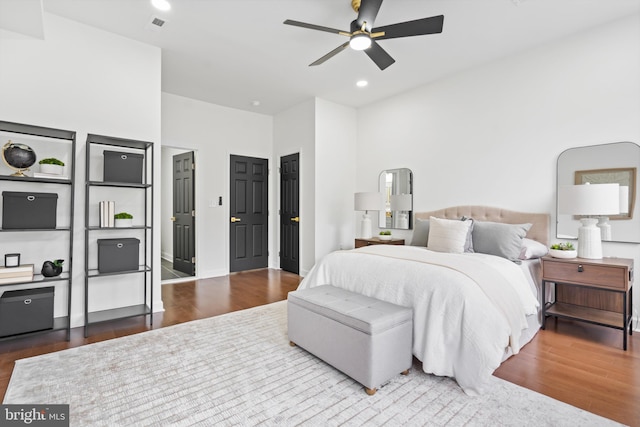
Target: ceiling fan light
<point>163,5</point>
<point>360,42</point>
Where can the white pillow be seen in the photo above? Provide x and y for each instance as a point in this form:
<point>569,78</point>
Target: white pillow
<point>532,249</point>
<point>447,235</point>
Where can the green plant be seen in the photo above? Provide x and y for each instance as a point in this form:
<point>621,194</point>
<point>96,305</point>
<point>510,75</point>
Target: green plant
<point>385,233</point>
<point>51,161</point>
<point>567,246</point>
<point>123,215</point>
<point>58,262</point>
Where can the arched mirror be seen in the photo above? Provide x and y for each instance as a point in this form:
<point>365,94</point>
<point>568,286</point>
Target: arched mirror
<point>602,164</point>
<point>396,185</point>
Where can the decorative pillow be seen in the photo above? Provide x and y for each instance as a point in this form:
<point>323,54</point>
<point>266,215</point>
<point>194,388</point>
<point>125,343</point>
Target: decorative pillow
<point>468,244</point>
<point>532,249</point>
<point>420,233</point>
<point>447,235</point>
<point>494,238</point>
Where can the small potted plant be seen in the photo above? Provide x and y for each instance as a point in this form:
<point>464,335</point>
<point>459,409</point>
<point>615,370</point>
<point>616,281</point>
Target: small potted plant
<point>385,235</point>
<point>123,220</point>
<point>51,165</point>
<point>563,250</point>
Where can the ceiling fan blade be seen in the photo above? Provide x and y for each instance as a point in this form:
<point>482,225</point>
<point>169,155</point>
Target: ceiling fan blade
<point>379,55</point>
<point>367,13</point>
<point>330,55</point>
<point>419,27</point>
<point>314,27</point>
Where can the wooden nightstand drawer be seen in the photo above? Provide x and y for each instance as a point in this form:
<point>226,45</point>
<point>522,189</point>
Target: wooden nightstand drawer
<point>586,272</point>
<point>359,243</point>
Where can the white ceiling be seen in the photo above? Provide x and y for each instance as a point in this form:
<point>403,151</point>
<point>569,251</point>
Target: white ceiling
<point>232,52</point>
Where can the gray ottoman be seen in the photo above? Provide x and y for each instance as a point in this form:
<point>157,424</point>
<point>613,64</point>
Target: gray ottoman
<point>368,339</point>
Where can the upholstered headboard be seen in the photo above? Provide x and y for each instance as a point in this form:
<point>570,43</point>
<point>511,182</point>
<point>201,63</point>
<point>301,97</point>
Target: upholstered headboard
<point>539,221</point>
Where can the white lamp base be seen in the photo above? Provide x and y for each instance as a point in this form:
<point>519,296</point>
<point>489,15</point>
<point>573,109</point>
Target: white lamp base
<point>605,228</point>
<point>589,241</point>
<point>365,227</point>
<point>403,221</point>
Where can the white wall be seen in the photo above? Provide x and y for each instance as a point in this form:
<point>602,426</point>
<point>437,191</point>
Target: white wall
<point>216,132</point>
<point>83,79</point>
<point>491,135</point>
<point>335,147</point>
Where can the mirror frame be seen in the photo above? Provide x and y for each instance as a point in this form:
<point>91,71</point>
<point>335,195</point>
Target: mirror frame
<point>387,213</point>
<point>591,163</point>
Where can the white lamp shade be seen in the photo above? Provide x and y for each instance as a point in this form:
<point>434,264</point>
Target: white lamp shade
<point>400,202</point>
<point>589,199</point>
<point>368,202</point>
<point>624,199</point>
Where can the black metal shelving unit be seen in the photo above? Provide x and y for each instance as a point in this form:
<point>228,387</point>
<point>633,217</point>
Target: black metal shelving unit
<point>64,137</point>
<point>146,269</point>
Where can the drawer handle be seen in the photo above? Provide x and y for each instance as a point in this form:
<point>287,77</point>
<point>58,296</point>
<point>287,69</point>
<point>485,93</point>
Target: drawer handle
<point>31,198</point>
<point>27,301</point>
<point>580,268</point>
<point>123,157</point>
<point>119,245</point>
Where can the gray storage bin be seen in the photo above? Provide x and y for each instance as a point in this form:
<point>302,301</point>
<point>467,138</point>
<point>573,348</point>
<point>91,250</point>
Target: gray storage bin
<point>29,210</point>
<point>122,167</point>
<point>26,310</point>
<point>118,254</point>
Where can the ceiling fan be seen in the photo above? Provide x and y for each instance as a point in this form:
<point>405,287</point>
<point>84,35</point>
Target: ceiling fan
<point>364,37</point>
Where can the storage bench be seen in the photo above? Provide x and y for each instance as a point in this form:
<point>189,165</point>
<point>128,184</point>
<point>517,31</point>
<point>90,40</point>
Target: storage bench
<point>368,339</point>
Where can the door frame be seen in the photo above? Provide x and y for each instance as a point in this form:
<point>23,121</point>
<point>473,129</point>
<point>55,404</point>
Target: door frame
<point>166,225</point>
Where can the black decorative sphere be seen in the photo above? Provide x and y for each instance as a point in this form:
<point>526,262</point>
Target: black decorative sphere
<point>18,156</point>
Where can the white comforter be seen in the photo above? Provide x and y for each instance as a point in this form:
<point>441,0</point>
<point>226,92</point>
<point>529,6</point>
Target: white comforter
<point>458,331</point>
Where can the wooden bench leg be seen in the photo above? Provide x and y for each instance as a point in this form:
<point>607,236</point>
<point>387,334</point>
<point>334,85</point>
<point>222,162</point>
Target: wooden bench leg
<point>405,372</point>
<point>370,391</point>
<point>292,344</point>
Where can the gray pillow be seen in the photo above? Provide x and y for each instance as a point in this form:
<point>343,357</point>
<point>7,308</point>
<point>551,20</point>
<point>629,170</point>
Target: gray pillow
<point>494,238</point>
<point>420,234</point>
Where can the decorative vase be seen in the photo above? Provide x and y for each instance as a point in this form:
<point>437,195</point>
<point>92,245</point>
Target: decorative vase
<point>557,253</point>
<point>51,169</point>
<point>124,222</point>
<point>49,269</point>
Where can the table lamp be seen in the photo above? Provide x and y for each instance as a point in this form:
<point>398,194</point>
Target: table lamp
<point>367,202</point>
<point>592,201</point>
<point>402,204</point>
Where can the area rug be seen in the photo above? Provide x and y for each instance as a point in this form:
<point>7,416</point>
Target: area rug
<point>238,369</point>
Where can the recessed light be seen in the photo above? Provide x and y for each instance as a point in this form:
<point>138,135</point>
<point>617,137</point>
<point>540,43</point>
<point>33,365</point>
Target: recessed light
<point>161,5</point>
<point>362,83</point>
<point>255,103</point>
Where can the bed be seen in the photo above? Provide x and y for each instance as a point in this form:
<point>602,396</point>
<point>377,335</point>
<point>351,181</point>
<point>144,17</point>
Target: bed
<point>472,308</point>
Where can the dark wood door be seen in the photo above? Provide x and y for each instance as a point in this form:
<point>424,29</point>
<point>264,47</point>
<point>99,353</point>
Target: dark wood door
<point>290,213</point>
<point>184,230</point>
<point>249,213</point>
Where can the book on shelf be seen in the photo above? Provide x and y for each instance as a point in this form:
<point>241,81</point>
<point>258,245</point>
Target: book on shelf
<point>19,271</point>
<point>19,279</point>
<point>107,211</point>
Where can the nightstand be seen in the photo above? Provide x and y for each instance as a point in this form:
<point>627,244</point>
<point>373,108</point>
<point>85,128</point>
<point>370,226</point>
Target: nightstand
<point>597,291</point>
<point>376,241</point>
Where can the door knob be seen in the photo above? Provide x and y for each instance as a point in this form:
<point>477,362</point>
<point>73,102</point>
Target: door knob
<point>234,219</point>
<point>173,218</point>
<point>296,219</point>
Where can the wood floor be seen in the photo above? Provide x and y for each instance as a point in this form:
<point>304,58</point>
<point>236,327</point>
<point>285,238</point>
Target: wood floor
<point>574,362</point>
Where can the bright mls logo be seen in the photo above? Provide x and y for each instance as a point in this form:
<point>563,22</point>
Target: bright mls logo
<point>35,415</point>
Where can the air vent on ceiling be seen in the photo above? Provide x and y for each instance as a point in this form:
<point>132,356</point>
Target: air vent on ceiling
<point>155,23</point>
